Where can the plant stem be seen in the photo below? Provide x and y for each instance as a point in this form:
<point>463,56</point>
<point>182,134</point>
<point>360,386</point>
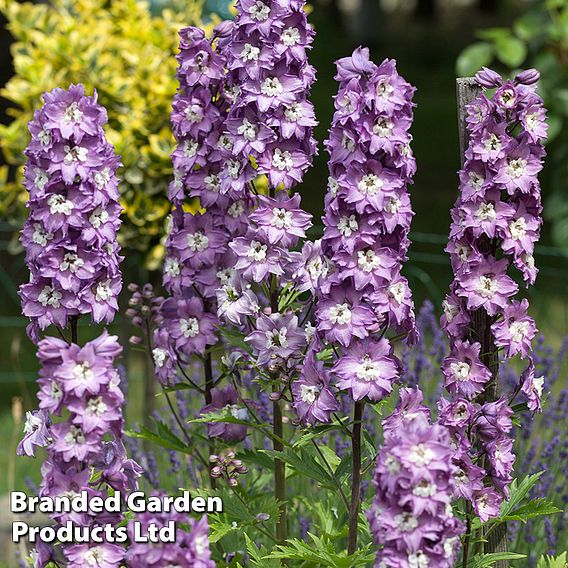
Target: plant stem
<point>73,322</point>
<point>208,369</point>
<point>356,477</point>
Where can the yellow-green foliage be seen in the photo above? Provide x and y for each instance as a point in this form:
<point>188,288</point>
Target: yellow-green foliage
<point>127,54</point>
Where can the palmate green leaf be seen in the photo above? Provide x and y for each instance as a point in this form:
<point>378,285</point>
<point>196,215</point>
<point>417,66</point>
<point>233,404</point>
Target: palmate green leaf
<point>535,508</point>
<point>302,463</point>
<point>164,438</point>
<point>517,492</point>
<point>321,553</point>
<point>547,561</point>
<point>488,560</point>
<point>258,557</point>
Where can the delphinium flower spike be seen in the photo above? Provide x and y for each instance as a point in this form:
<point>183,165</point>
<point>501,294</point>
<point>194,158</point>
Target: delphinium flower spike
<point>72,254</point>
<point>495,224</point>
<point>365,240</point>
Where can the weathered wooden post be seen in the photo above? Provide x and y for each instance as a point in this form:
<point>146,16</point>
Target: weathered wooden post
<point>468,90</point>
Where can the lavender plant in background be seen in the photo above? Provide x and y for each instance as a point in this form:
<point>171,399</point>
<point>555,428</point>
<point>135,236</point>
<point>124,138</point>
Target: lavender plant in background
<point>495,224</point>
<point>365,237</point>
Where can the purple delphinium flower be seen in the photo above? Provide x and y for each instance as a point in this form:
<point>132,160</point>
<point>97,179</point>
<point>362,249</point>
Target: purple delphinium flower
<point>227,400</point>
<point>495,225</point>
<point>276,339</point>
<point>70,233</point>
<point>411,516</point>
<point>368,369</point>
<point>36,430</point>
<point>314,399</point>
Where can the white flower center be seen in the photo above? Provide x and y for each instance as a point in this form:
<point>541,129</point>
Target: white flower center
<point>282,160</point>
<point>393,205</point>
<point>460,370</point>
<point>83,372</point>
<point>486,212</point>
<point>58,204</point>
<point>236,209</point>
<point>537,385</point>
<point>259,11</point>
<point>98,217</point>
<point>421,455</point>
<point>424,489</point>
<point>212,183</point>
<point>159,355</point>
<point>250,52</point>
<point>41,178</point>
<point>340,314</point>
<point>74,154</point>
<point>368,260</point>
<point>450,310</point>
<point>406,522</point>
<point>492,143</point>
<point>33,422</point>
<point>476,180</point>
<point>257,251</point>
<point>233,168</point>
<point>190,148</point>
<point>309,393</point>
<point>392,464</point>
<point>44,137</point>
<point>96,406</point>
<point>290,37</point>
<point>293,112</point>
<point>518,228</point>
<point>271,87</point>
<point>225,142</point>
<point>72,113</point>
<point>347,143</point>
<point>49,297</point>
<point>519,330</point>
<point>40,235</point>
<point>72,262</point>
<point>102,178</point>
<point>75,436</point>
<point>103,292</point>
<point>384,89</point>
<point>486,286</point>
<point>281,218</point>
<point>396,292</point>
<point>197,242</point>
<point>248,130</point>
<point>418,560</point>
<point>172,267</point>
<point>383,127</point>
<point>276,338</point>
<point>368,370</point>
<point>370,184</point>
<point>516,168</point>
<point>194,113</point>
<point>189,327</point>
<point>347,225</point>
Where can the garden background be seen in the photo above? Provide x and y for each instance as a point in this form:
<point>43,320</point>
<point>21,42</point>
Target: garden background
<point>427,37</point>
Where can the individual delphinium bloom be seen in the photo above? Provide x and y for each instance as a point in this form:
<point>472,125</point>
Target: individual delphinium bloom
<point>366,224</point>
<point>70,234</point>
<point>227,400</point>
<point>495,224</point>
<point>411,516</point>
<point>36,430</point>
<point>368,369</point>
<point>314,399</point>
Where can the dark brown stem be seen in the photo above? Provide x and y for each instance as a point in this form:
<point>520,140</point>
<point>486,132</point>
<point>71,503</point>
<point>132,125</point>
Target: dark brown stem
<point>356,477</point>
<point>74,324</point>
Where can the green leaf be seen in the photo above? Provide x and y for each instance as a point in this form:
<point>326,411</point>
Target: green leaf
<point>235,338</point>
<point>547,561</point>
<point>166,439</point>
<point>510,50</point>
<point>473,58</point>
<point>488,560</point>
<point>535,508</point>
<point>303,464</point>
